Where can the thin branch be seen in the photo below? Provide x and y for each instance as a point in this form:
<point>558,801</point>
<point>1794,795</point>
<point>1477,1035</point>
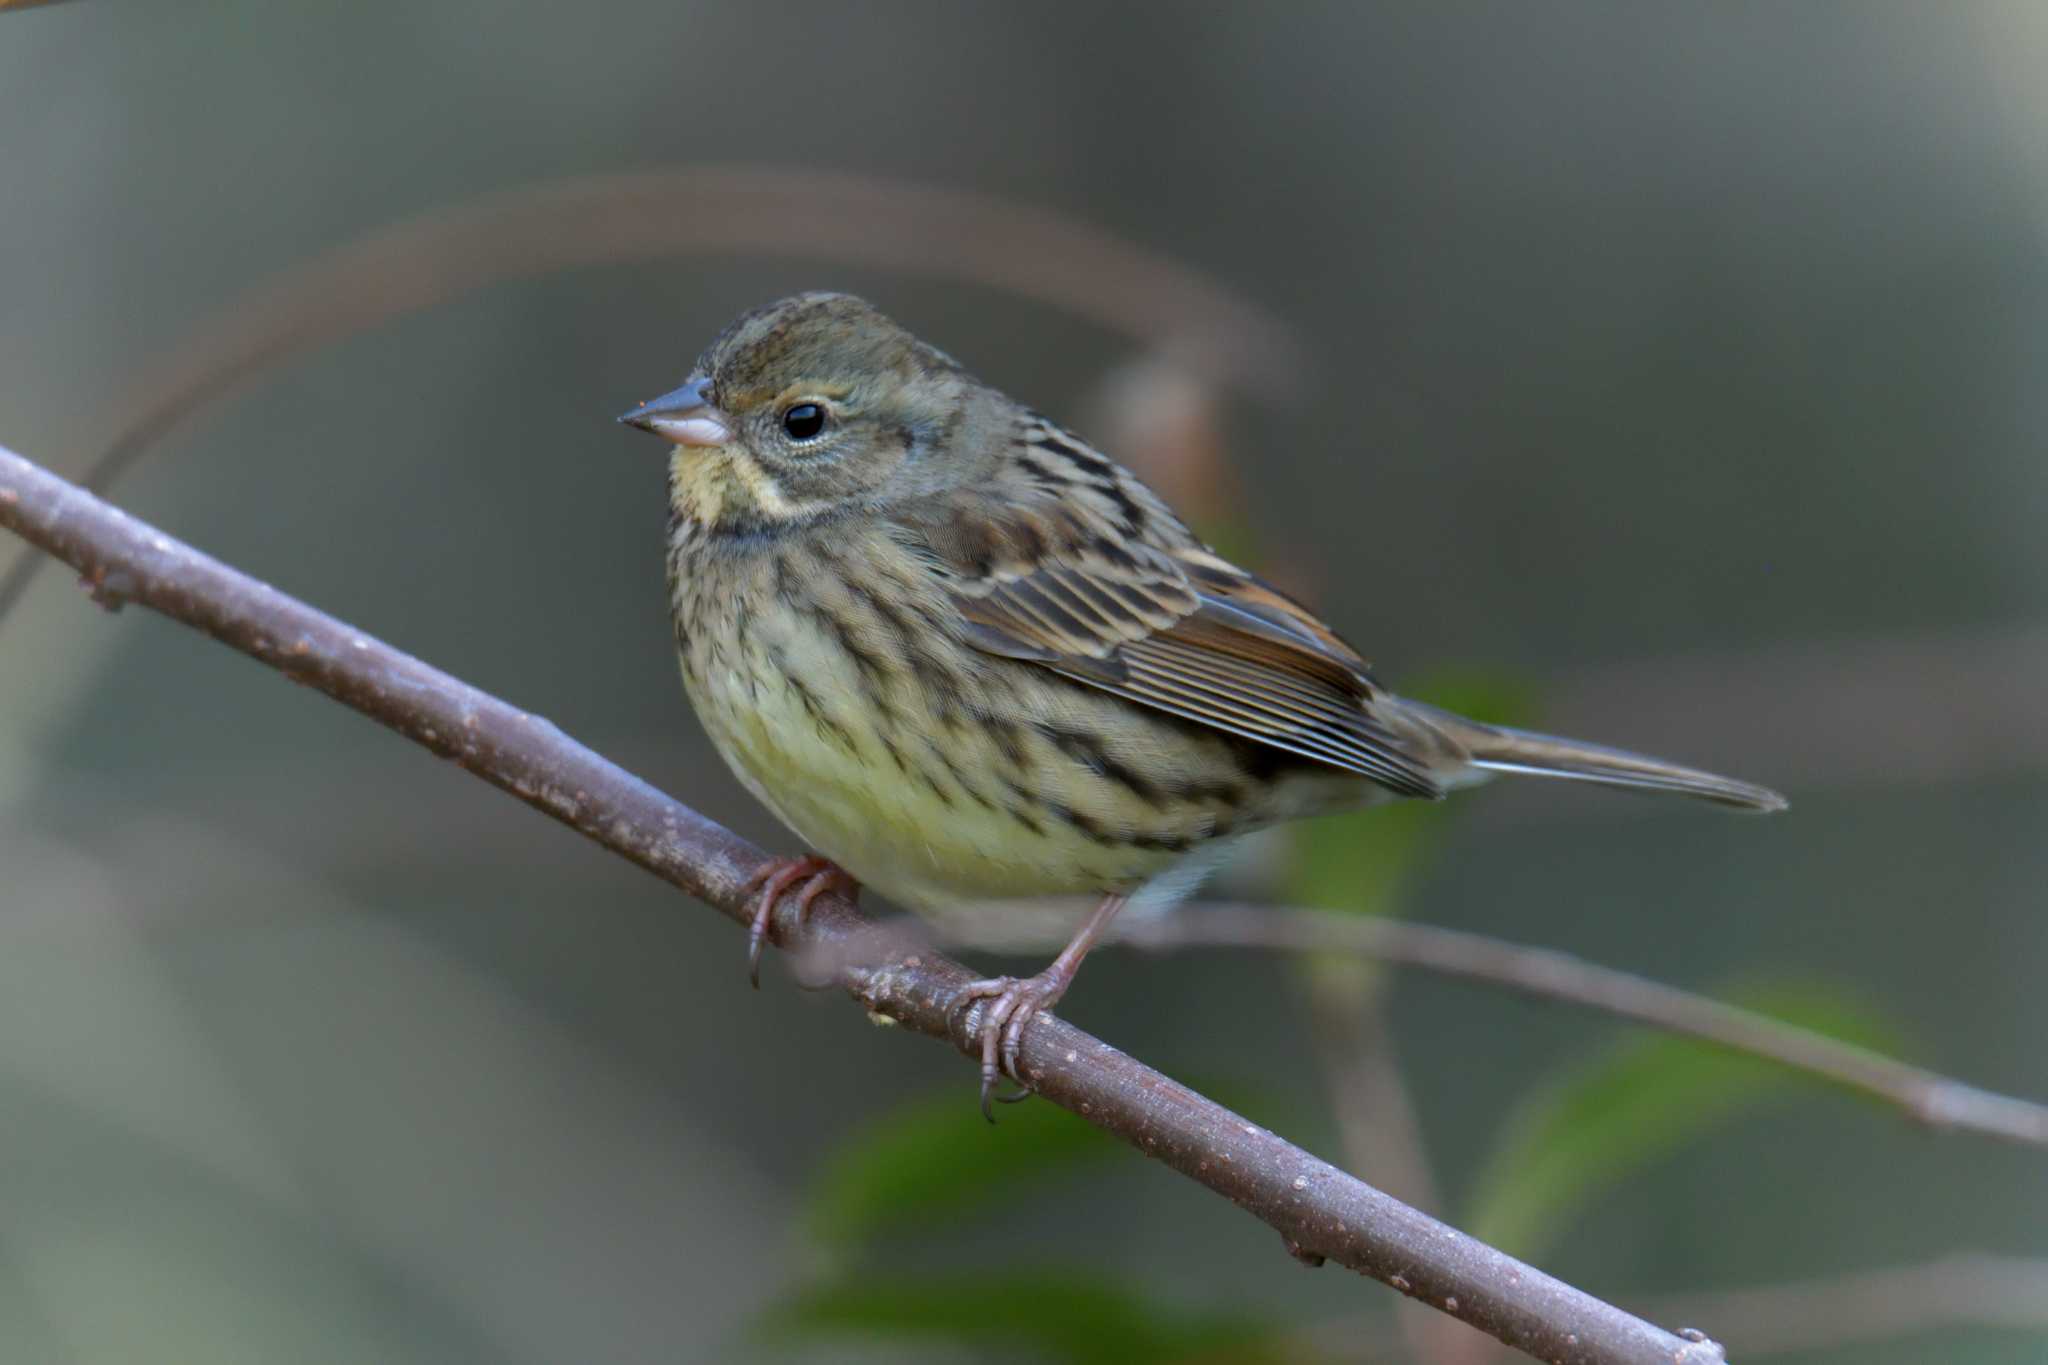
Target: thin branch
<point>1959,1290</point>
<point>1377,1122</point>
<point>1321,1212</point>
<point>1375,1114</point>
<point>1962,1290</point>
<point>1928,1097</point>
<point>1806,710</point>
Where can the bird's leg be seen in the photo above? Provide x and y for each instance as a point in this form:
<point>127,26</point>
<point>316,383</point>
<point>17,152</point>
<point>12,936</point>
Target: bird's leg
<point>774,878</point>
<point>1013,1003</point>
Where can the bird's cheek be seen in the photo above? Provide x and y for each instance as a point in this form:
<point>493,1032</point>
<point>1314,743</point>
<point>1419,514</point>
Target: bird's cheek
<point>763,491</point>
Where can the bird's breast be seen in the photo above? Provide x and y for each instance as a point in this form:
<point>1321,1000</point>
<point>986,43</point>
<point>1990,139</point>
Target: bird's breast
<point>831,682</point>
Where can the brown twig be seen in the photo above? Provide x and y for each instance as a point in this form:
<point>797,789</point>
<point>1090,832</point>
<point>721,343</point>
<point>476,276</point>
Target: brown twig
<point>1959,1290</point>
<point>1376,1120</point>
<point>1320,1211</point>
<point>1805,711</point>
<point>1928,1097</point>
<point>1831,1313</point>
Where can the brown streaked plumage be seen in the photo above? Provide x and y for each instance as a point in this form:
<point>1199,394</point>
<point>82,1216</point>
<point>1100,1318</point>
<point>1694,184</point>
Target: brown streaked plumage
<point>967,657</point>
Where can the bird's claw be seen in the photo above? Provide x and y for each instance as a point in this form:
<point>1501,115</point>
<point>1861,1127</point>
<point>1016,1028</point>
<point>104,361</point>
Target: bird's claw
<point>1013,1003</point>
<point>774,878</point>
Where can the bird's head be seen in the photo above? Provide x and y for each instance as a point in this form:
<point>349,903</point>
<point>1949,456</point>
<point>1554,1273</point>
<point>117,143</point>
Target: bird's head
<point>811,405</point>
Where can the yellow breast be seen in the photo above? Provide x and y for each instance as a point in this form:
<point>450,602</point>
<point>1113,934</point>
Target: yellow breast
<point>911,819</point>
<point>933,774</point>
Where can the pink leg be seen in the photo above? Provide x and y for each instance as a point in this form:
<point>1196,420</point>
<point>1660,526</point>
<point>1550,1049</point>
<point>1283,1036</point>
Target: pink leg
<point>1013,1003</point>
<point>777,877</point>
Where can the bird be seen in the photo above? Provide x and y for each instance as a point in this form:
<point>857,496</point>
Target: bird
<point>968,658</point>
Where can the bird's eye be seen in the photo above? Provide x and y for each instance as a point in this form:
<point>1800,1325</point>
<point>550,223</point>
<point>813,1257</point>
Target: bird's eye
<point>803,421</point>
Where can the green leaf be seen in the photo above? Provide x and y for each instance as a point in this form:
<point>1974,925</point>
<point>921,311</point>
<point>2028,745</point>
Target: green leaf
<point>936,1156</point>
<point>1614,1114</point>
<point>1054,1315</point>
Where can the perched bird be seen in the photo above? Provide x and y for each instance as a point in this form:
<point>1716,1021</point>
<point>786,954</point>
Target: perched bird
<point>966,657</point>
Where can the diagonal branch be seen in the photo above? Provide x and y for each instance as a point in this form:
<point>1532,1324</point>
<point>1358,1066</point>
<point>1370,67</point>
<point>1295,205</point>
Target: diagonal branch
<point>1320,1211</point>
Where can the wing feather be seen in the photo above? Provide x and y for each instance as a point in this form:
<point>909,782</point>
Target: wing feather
<point>1086,573</point>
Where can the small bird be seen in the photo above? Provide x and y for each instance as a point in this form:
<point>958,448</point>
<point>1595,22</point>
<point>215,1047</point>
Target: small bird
<point>966,657</point>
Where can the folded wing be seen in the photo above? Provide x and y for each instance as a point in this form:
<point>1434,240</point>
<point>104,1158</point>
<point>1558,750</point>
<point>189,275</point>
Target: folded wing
<point>1092,578</point>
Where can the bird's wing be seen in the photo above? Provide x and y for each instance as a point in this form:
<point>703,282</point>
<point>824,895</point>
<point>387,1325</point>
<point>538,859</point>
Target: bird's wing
<point>1077,567</point>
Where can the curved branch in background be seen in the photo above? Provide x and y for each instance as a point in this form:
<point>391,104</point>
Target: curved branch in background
<point>1864,1306</point>
<point>1322,1212</point>
<point>1928,1097</point>
<point>1377,1124</point>
<point>1959,1291</point>
<point>1940,1102</point>
<point>535,230</point>
<point>1807,711</point>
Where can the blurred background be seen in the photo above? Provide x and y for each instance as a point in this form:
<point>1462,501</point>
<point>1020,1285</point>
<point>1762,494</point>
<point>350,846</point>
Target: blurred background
<point>1668,374</point>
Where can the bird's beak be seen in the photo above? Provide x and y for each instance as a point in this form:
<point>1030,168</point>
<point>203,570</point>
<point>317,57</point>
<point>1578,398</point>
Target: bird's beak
<point>685,417</point>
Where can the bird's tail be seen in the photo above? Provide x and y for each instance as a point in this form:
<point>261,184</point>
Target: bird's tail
<point>1496,748</point>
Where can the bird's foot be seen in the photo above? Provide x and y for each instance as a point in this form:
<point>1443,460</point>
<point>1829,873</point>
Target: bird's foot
<point>1013,1002</point>
<point>777,876</point>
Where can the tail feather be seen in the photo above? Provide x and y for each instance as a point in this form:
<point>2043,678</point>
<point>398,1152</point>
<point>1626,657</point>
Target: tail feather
<point>1496,748</point>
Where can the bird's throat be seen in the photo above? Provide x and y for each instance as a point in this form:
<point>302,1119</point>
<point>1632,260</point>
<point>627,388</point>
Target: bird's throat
<point>723,490</point>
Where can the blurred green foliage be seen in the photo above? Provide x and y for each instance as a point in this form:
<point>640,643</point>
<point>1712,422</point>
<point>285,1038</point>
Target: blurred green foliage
<point>1005,1311</point>
<point>932,1159</point>
<point>1364,860</point>
<point>1594,1124</point>
<point>933,1163</point>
